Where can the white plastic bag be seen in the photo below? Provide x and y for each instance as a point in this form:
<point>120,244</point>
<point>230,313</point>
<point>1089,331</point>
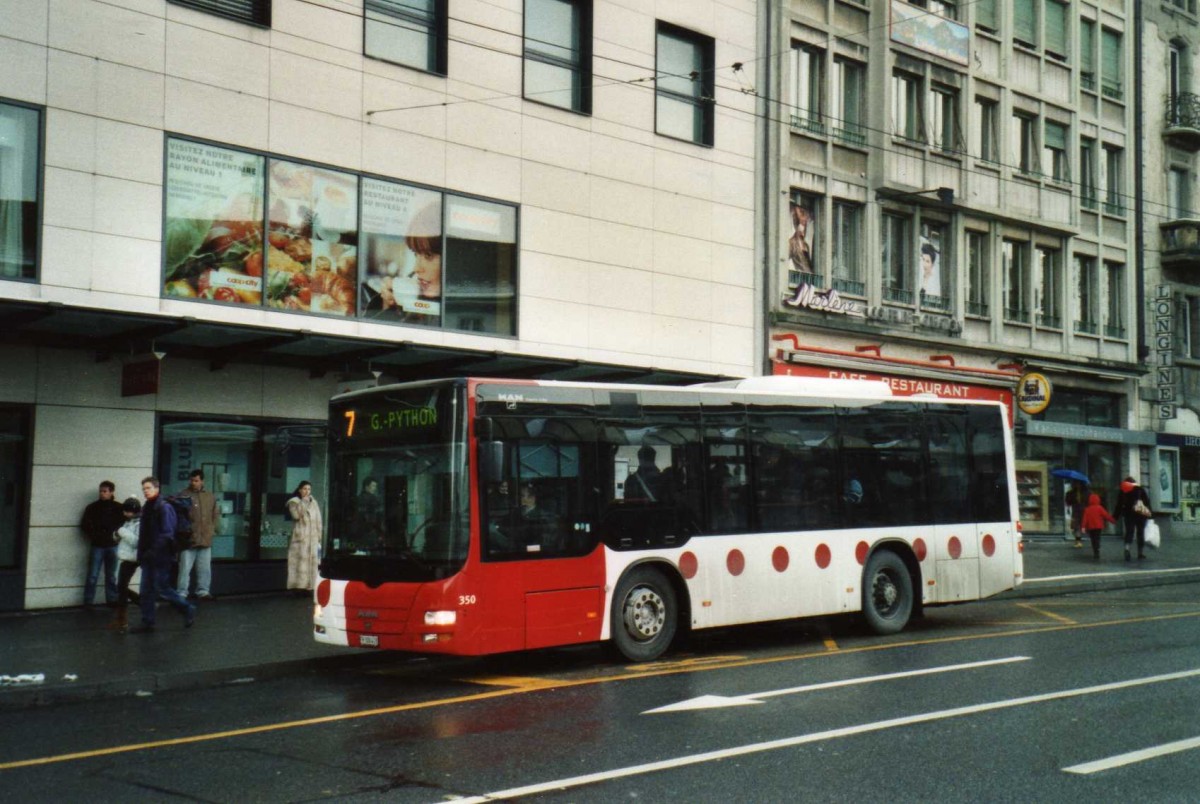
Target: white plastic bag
<point>1153,537</point>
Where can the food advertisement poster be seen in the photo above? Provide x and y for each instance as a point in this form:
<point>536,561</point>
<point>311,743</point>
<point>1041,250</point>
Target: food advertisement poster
<point>213,232</point>
<point>402,233</point>
<point>312,241</point>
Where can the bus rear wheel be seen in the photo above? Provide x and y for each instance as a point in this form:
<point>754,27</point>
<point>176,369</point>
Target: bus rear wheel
<point>887,593</point>
<point>645,615</point>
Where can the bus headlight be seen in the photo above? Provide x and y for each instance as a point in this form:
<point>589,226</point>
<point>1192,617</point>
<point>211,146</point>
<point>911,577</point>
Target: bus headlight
<point>441,617</point>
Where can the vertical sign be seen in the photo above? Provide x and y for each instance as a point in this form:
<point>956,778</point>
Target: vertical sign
<point>1164,347</point>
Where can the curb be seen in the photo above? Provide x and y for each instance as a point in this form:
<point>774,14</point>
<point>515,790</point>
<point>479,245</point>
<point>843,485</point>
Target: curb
<point>1100,582</point>
<point>34,695</point>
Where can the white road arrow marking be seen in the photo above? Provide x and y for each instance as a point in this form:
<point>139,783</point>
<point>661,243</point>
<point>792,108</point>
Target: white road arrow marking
<point>1134,756</point>
<point>719,701</point>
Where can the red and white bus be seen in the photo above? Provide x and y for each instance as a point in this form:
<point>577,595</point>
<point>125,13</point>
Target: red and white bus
<point>475,516</point>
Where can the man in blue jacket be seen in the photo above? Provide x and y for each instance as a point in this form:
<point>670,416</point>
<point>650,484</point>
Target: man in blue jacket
<point>156,550</point>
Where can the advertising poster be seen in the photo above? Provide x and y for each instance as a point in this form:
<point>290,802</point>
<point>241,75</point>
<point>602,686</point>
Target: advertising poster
<point>933,266</point>
<point>801,245</point>
<point>930,33</point>
<point>312,251</point>
<point>402,233</point>
<point>212,241</point>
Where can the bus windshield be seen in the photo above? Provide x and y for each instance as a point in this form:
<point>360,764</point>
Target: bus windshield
<point>399,510</point>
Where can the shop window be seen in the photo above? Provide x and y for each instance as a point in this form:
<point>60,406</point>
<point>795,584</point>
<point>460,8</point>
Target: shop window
<point>14,482</point>
<point>427,258</point>
<point>253,468</point>
<point>408,32</point>
<point>20,219</point>
<point>558,57</point>
<point>684,85</point>
<point>257,12</point>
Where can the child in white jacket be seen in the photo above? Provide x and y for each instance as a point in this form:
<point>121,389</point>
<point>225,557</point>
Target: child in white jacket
<point>127,542</point>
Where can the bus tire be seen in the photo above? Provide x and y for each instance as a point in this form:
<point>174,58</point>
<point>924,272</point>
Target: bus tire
<point>887,596</point>
<point>645,615</point>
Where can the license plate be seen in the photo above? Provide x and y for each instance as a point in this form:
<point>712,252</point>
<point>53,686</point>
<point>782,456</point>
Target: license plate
<point>369,641</point>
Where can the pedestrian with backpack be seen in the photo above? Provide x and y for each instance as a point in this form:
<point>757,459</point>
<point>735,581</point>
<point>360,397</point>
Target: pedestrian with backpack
<point>156,552</point>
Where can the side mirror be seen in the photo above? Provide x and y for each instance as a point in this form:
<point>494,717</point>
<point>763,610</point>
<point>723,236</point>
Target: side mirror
<point>491,461</point>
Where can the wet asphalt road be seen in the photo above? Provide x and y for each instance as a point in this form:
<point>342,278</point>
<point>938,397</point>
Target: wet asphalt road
<point>993,701</point>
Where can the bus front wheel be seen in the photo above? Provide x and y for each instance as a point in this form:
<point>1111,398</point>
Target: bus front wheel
<point>887,593</point>
<point>645,615</point>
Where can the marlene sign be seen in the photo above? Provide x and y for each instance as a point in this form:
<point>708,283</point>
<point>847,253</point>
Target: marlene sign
<point>1033,393</point>
<point>827,301</point>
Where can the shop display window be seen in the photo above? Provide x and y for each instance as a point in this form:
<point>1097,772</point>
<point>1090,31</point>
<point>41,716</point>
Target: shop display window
<point>14,482</point>
<point>252,467</point>
<point>250,229</point>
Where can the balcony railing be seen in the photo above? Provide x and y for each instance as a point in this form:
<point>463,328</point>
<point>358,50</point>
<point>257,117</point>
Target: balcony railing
<point>812,125</point>
<point>1181,243</point>
<point>1114,331</point>
<point>1016,316</point>
<point>1112,89</point>
<point>979,308</point>
<point>1049,321</point>
<point>931,302</point>
<point>1087,328</point>
<point>898,295</point>
<point>851,134</point>
<point>851,286</point>
<point>798,278</point>
<point>1116,207</point>
<point>1183,120</point>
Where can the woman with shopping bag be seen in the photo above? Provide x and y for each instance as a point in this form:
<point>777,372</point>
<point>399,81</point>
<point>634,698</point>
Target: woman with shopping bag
<point>1133,507</point>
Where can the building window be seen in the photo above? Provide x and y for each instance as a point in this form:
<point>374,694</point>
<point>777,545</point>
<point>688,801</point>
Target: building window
<point>1111,62</point>
<point>985,130</point>
<point>1025,22</point>
<point>337,244</point>
<point>1179,202</point>
<point>684,84</point>
<point>1056,29</point>
<point>985,15</point>
<point>558,58</point>
<point>897,251</point>
<point>252,467</point>
<point>1114,184</point>
<point>1184,5</point>
<point>847,238</point>
<point>20,179</point>
<point>943,8</point>
<point>907,118</point>
<point>1087,55</point>
<point>979,275</point>
<point>1087,296</point>
<point>1016,281</point>
<point>934,277</point>
<point>1024,144</point>
<point>807,77</point>
<point>849,99</point>
<point>803,248</point>
<point>256,12</point>
<point>943,118</point>
<point>14,470</point>
<point>408,32</point>
<point>1114,293</point>
<point>1088,197</point>
<point>1189,327</point>
<point>1054,151</point>
<point>1049,265</point>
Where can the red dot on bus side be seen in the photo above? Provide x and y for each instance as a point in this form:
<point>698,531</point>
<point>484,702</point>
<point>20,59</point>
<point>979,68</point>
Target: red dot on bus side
<point>324,590</point>
<point>688,565</point>
<point>780,559</point>
<point>954,547</point>
<point>989,545</point>
<point>823,556</point>
<point>920,549</point>
<point>860,552</point>
<point>735,562</point>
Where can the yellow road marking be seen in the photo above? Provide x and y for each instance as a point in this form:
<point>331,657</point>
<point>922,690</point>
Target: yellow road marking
<point>516,682</point>
<point>502,693</point>
<point>1044,613</point>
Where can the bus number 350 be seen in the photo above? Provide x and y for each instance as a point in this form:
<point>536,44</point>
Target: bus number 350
<point>466,600</point>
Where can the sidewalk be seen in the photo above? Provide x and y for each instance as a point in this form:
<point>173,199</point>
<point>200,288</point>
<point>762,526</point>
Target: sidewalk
<point>258,637</point>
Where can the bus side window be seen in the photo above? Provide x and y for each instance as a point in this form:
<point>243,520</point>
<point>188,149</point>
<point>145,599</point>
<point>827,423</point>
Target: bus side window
<point>946,435</point>
<point>989,478</point>
<point>652,479</point>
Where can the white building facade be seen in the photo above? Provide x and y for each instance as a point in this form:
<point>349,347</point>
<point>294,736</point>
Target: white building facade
<point>216,213</point>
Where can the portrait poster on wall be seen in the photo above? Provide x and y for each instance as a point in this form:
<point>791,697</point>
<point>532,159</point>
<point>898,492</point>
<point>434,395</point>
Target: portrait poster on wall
<point>402,234</point>
<point>212,239</point>
<point>312,252</point>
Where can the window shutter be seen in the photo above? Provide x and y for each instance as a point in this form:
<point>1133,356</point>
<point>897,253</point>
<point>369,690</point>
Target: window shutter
<point>1025,21</point>
<point>1087,46</point>
<point>1056,27</point>
<point>254,11</point>
<point>1110,64</point>
<point>985,14</point>
<point>1055,136</point>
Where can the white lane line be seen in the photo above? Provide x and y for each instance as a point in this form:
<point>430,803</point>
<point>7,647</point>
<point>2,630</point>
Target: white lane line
<point>789,742</point>
<point>717,701</point>
<point>1134,756</point>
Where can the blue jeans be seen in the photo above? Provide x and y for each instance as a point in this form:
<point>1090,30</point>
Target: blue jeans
<point>201,557</point>
<point>156,581</point>
<point>108,557</point>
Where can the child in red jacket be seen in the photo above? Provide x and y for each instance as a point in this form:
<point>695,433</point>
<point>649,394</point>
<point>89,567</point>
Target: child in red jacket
<point>1094,517</point>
